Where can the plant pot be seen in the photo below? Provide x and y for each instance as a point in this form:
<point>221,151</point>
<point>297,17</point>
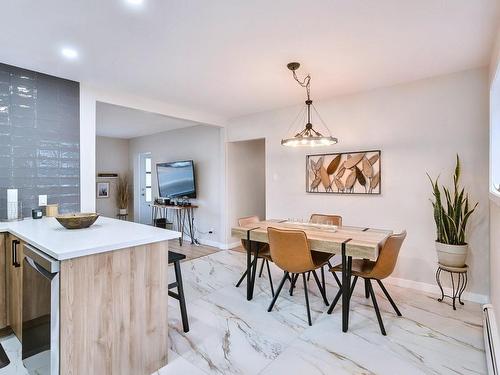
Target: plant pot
<point>451,255</point>
<point>122,211</point>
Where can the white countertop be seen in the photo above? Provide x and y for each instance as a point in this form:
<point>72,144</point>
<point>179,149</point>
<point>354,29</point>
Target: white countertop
<point>104,235</point>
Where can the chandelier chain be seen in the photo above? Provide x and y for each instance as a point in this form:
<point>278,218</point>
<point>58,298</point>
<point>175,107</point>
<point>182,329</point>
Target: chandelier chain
<point>306,83</point>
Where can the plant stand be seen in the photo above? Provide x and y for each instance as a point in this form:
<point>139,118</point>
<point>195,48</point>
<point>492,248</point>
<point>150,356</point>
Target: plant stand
<point>122,217</point>
<point>457,286</point>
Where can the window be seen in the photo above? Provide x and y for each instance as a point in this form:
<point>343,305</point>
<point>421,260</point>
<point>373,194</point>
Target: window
<point>147,185</point>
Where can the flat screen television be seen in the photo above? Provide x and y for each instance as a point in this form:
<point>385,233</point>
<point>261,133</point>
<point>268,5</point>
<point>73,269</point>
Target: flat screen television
<point>176,179</point>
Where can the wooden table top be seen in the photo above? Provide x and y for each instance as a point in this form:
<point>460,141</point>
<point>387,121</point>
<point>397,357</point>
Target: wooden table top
<point>364,242</point>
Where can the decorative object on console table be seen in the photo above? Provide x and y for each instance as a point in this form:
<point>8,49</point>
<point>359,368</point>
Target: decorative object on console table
<point>103,190</point>
<point>344,173</point>
<point>451,222</point>
<point>456,288</point>
<point>122,194</point>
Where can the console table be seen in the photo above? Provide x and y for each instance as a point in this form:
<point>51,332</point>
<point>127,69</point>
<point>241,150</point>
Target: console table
<point>183,218</point>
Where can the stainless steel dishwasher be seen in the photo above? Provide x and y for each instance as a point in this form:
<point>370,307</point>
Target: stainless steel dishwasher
<point>40,330</point>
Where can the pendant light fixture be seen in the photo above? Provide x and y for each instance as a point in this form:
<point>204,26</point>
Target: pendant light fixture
<point>308,136</point>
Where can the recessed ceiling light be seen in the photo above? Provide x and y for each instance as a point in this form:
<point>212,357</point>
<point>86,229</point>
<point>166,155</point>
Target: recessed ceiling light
<point>69,53</point>
<point>135,2</point>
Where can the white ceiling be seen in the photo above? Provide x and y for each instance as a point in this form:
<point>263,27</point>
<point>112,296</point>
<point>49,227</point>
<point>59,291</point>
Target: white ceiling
<point>228,57</point>
<point>121,122</point>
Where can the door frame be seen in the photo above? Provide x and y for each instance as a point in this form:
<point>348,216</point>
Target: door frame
<point>138,195</point>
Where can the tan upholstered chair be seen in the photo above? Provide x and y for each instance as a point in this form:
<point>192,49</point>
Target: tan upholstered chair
<point>264,253</point>
<point>322,219</point>
<point>326,219</point>
<point>379,270</point>
<point>329,220</point>
<point>290,251</point>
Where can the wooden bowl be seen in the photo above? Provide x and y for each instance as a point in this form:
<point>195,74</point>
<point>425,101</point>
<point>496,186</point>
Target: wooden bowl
<point>77,220</point>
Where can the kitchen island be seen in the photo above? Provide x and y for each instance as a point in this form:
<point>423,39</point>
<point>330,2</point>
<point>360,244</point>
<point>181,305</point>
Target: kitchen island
<point>113,291</point>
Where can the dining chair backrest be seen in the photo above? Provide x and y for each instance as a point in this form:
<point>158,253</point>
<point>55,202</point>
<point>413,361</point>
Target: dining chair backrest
<point>388,256</point>
<point>290,250</point>
<point>243,221</point>
<point>326,219</point>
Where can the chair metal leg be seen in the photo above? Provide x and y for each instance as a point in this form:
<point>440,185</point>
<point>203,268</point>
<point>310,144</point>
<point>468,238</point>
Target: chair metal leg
<point>244,275</point>
<point>254,270</point>
<point>241,279</point>
<point>367,290</point>
<point>270,278</point>
<point>308,275</point>
<point>353,285</point>
<point>321,290</point>
<point>323,283</point>
<point>337,280</point>
<point>182,300</point>
<point>294,280</point>
<point>375,306</point>
<point>307,299</point>
<point>278,292</point>
<point>389,298</point>
<point>335,300</point>
<point>262,267</point>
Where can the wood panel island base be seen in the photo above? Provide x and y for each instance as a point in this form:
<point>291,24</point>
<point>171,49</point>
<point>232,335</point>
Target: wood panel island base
<point>113,312</point>
<point>108,295</point>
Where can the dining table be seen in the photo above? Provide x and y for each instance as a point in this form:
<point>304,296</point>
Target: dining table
<point>349,241</point>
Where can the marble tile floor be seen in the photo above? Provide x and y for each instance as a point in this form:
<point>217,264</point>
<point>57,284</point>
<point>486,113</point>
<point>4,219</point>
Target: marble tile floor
<point>230,335</point>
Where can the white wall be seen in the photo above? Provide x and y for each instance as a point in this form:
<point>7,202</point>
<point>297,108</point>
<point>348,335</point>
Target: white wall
<point>89,96</point>
<point>495,178</point>
<point>246,180</point>
<point>419,127</point>
<point>203,145</point>
<point>112,156</point>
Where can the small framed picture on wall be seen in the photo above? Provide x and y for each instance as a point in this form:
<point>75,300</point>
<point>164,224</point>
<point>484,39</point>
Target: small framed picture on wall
<point>103,190</point>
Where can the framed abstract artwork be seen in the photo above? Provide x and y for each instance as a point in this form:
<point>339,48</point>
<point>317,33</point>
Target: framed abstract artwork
<point>344,173</point>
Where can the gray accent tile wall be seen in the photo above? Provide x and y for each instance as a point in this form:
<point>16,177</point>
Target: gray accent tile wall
<point>39,139</point>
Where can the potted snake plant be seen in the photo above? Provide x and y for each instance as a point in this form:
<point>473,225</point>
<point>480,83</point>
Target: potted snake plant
<point>451,220</point>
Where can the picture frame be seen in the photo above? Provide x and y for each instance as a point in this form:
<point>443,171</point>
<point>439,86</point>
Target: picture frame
<point>358,172</point>
<point>102,190</point>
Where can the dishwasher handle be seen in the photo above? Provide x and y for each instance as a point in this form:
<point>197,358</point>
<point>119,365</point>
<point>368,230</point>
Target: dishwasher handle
<point>43,260</point>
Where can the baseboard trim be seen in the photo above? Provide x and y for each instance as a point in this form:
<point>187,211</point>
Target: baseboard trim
<point>432,288</point>
<point>230,246</point>
<point>219,245</point>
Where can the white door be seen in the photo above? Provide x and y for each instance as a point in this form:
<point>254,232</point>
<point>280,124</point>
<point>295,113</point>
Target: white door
<point>146,194</point>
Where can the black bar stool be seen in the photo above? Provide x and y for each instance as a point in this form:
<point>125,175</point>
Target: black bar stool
<point>176,258</point>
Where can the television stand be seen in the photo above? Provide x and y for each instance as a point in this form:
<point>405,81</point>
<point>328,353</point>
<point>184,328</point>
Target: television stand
<point>183,218</point>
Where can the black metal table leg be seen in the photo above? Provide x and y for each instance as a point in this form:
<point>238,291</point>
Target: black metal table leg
<point>179,225</point>
<point>254,270</point>
<point>346,286</point>
<point>249,264</point>
<point>190,215</point>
